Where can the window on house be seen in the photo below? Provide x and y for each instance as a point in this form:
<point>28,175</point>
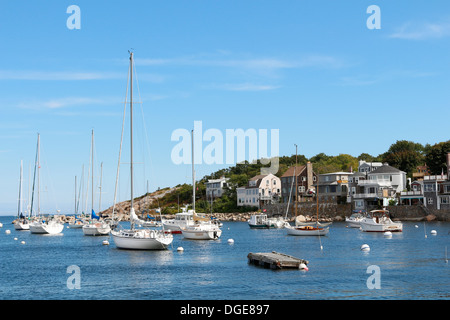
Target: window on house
<point>445,200</point>
<point>430,200</point>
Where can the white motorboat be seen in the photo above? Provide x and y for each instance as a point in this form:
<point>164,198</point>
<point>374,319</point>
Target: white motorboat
<point>46,227</point>
<point>354,220</point>
<point>276,222</point>
<point>306,230</point>
<point>138,239</point>
<point>182,220</point>
<point>379,221</point>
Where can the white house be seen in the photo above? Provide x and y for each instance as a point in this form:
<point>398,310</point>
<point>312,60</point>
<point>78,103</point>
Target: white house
<point>378,187</point>
<point>366,167</point>
<point>259,190</point>
<point>214,187</point>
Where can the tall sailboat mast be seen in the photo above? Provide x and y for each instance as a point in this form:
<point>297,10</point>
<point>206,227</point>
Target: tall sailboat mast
<point>193,171</point>
<point>131,136</point>
<point>19,207</point>
<point>38,174</point>
<point>92,179</point>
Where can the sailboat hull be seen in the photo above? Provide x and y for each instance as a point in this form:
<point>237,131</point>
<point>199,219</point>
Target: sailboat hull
<point>21,226</point>
<point>97,229</point>
<point>199,233</point>
<point>141,240</point>
<point>46,228</point>
<point>306,231</point>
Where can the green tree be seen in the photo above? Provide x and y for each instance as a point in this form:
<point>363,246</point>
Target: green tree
<point>405,155</point>
<point>436,157</point>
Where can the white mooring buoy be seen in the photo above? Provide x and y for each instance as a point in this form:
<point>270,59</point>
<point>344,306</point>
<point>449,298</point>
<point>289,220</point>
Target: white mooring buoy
<point>8,231</point>
<point>388,234</point>
<point>230,241</point>
<point>22,242</point>
<point>365,247</point>
<point>433,232</point>
<point>105,242</point>
<point>180,249</point>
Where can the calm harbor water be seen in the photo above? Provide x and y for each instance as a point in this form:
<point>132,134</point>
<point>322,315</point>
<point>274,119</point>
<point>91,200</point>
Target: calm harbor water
<point>410,266</point>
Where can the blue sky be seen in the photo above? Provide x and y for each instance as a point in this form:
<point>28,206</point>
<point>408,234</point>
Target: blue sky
<point>311,69</point>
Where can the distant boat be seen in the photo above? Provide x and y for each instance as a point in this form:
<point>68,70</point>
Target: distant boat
<point>308,229</point>
<point>258,221</point>
<point>96,226</point>
<point>43,225</point>
<point>203,228</point>
<point>354,221</point>
<point>21,223</point>
<point>133,238</point>
<point>379,221</point>
<point>182,220</point>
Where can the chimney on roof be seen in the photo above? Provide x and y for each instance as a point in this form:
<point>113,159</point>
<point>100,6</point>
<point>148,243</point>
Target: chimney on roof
<point>448,165</point>
<point>309,174</point>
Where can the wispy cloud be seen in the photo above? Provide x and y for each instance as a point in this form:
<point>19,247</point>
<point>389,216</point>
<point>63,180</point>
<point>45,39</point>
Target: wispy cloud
<point>247,87</point>
<point>58,103</point>
<point>247,63</point>
<point>57,75</point>
<point>422,31</point>
<point>365,80</point>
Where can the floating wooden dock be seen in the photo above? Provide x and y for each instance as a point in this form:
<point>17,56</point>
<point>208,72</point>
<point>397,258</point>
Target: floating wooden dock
<point>275,260</point>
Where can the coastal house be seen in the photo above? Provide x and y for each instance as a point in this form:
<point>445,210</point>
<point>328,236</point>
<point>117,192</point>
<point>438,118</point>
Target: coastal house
<point>302,176</point>
<point>214,187</point>
<point>421,171</point>
<point>334,186</point>
<point>261,189</point>
<point>431,191</point>
<point>377,187</point>
<point>415,195</point>
<point>436,191</point>
<point>366,167</point>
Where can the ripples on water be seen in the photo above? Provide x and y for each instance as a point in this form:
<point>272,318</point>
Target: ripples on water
<point>412,267</point>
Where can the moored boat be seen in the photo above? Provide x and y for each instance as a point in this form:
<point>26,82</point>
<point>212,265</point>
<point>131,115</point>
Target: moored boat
<point>379,221</point>
<point>306,230</point>
<point>258,221</point>
<point>354,220</point>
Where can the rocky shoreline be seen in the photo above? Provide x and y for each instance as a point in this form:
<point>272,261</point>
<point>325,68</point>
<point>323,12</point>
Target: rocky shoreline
<point>244,217</point>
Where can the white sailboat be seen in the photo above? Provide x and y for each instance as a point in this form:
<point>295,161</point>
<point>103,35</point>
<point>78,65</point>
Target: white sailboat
<point>139,239</point>
<point>42,225</point>
<point>203,228</point>
<point>96,226</point>
<point>21,223</point>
